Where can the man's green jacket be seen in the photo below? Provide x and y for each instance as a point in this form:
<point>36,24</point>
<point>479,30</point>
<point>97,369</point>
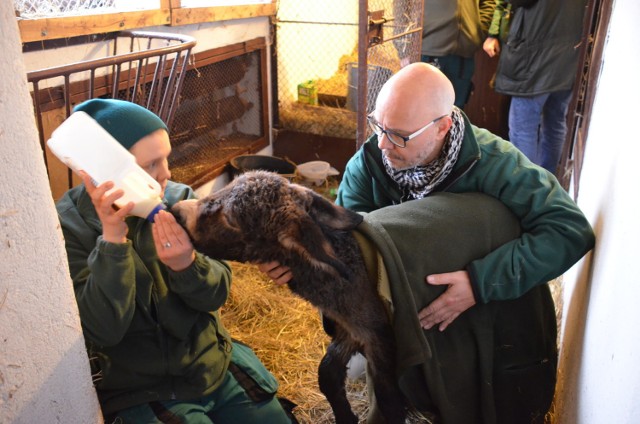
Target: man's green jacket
<point>555,233</point>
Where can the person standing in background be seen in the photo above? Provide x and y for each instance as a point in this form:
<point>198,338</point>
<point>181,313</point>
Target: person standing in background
<point>452,32</point>
<point>538,44</point>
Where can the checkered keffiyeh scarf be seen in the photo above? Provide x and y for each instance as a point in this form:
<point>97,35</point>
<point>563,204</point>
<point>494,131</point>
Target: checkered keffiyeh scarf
<point>419,181</point>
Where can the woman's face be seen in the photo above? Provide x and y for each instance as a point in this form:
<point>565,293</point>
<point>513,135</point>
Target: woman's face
<point>152,154</point>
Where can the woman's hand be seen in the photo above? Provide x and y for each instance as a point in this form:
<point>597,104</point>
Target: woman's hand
<point>172,242</point>
<point>114,229</point>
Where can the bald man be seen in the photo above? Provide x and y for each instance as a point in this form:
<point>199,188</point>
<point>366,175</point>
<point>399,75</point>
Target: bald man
<point>422,144</point>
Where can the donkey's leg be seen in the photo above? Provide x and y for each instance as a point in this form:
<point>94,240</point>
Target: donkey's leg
<point>380,353</point>
<point>332,373</point>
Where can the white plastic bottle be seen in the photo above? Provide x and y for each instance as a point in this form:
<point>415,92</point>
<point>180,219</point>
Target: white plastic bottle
<point>82,144</point>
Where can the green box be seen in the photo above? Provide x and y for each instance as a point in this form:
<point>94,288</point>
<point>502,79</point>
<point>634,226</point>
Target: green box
<point>308,93</point>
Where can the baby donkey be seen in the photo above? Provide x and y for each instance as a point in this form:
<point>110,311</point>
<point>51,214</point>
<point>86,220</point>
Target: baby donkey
<point>260,217</point>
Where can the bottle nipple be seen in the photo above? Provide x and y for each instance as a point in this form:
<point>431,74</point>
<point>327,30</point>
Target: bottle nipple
<point>152,215</point>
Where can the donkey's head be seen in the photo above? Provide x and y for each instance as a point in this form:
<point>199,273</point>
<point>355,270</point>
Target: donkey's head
<point>260,217</point>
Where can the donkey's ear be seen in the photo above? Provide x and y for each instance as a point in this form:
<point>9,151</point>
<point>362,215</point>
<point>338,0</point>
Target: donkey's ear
<point>306,237</point>
<point>307,233</point>
<point>331,215</point>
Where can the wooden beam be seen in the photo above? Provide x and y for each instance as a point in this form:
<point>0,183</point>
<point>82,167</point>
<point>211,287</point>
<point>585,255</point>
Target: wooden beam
<point>70,26</point>
<point>171,12</point>
<point>196,15</point>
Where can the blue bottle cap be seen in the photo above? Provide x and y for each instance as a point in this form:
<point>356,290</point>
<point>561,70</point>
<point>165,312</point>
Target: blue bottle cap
<point>152,215</point>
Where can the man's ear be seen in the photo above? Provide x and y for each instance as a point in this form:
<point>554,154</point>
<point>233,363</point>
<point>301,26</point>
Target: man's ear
<point>329,214</point>
<point>444,125</point>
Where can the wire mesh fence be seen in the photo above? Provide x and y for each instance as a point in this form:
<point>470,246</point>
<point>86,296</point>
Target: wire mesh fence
<point>220,116</point>
<point>315,43</point>
<point>318,65</point>
<point>53,8</point>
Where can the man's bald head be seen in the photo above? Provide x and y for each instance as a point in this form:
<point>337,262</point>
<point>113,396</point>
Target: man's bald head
<point>418,91</point>
<point>416,96</point>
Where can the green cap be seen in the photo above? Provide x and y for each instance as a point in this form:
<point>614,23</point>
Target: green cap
<point>126,122</point>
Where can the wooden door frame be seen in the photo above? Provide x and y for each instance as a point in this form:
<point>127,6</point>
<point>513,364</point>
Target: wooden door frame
<point>596,25</point>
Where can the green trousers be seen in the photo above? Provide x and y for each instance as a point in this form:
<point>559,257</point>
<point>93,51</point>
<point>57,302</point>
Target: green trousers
<point>247,395</point>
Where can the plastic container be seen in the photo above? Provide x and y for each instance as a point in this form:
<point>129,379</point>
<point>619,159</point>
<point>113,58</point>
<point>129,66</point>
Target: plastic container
<point>308,93</point>
<point>243,163</point>
<point>316,172</point>
<point>82,144</point>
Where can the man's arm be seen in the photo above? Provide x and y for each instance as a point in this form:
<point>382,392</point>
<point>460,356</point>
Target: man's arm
<point>555,232</point>
<point>555,235</point>
<point>354,192</point>
<point>487,8</point>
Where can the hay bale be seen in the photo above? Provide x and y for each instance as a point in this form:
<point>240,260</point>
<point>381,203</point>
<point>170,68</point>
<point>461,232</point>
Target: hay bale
<point>319,120</point>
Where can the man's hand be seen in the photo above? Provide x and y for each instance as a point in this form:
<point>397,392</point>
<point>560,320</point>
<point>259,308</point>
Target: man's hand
<point>449,305</point>
<point>278,273</point>
<point>491,46</point>
<point>172,242</point>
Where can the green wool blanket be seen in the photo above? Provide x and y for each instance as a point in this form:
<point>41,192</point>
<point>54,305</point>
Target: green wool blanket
<point>496,362</point>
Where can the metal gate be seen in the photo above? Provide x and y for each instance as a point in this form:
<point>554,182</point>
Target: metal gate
<point>390,37</point>
<point>332,58</point>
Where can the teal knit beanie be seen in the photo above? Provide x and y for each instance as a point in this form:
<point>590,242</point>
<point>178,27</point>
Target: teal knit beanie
<point>127,122</point>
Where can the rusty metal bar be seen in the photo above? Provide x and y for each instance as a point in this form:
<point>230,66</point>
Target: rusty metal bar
<point>165,85</point>
<point>36,95</point>
<point>363,30</point>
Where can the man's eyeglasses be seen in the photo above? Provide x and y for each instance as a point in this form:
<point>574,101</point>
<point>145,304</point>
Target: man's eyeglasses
<point>395,138</point>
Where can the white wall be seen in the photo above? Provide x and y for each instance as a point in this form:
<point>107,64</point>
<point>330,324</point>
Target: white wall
<point>44,372</point>
<point>312,51</point>
<point>208,35</point>
<point>600,357</point>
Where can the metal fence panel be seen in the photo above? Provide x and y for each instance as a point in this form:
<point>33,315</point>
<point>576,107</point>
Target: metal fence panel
<point>318,67</point>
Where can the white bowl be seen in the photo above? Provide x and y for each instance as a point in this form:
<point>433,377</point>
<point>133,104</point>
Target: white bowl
<point>316,171</point>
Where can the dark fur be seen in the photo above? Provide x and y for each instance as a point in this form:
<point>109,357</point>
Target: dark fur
<point>261,217</point>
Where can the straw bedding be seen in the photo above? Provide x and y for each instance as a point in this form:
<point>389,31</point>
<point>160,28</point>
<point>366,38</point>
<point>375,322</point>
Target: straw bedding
<point>286,333</point>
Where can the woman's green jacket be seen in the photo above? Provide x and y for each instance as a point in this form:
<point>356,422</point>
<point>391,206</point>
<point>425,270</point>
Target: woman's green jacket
<point>152,334</point>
